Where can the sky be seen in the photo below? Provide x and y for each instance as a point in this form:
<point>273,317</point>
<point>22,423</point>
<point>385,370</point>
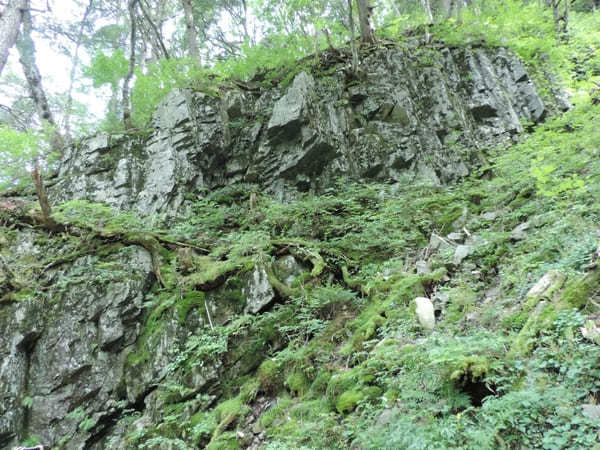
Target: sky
<point>54,66</point>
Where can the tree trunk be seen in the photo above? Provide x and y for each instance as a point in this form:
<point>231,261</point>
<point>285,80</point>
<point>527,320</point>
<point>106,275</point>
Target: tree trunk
<point>157,34</point>
<point>565,22</point>
<point>69,106</point>
<point>10,20</point>
<point>132,41</point>
<point>561,22</point>
<point>427,8</point>
<point>40,190</point>
<point>245,21</point>
<point>352,37</point>
<point>190,31</point>
<point>26,48</point>
<point>364,17</point>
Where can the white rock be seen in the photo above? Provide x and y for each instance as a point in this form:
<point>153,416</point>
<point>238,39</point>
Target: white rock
<point>547,285</point>
<point>460,253</point>
<point>258,291</point>
<point>590,331</point>
<point>425,312</point>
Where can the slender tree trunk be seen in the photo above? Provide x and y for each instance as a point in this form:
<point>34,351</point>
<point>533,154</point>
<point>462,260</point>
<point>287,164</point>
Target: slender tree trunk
<point>395,8</point>
<point>565,28</point>
<point>352,38</point>
<point>155,30</point>
<point>132,41</point>
<point>561,22</point>
<point>364,17</point>
<point>26,48</point>
<point>245,21</point>
<point>190,31</point>
<point>427,7</point>
<point>10,20</point>
<point>40,190</point>
<point>69,106</point>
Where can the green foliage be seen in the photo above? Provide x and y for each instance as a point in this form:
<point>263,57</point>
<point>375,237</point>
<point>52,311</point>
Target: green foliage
<point>297,383</point>
<point>19,151</point>
<point>527,28</point>
<point>96,216</point>
<point>27,402</point>
<point>270,376</point>
<point>31,441</point>
<point>107,69</point>
<point>157,80</point>
<point>348,401</point>
<point>359,371</point>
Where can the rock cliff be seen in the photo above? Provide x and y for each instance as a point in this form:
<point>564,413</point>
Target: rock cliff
<point>98,351</point>
<point>410,114</point>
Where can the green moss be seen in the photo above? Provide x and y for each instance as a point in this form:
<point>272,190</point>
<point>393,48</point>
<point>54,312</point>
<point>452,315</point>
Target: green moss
<point>225,441</point>
<point>270,376</point>
<point>297,383</point>
<point>23,294</point>
<point>229,412</point>
<point>391,395</point>
<point>575,295</point>
<point>577,292</point>
<point>210,272</point>
<point>276,412</point>
<point>319,385</point>
<point>192,299</point>
<point>461,301</point>
<point>356,379</point>
<point>515,321</point>
<point>450,213</point>
<point>249,390</point>
<point>542,319</point>
<point>348,401</point>
<point>154,325</point>
<point>471,368</point>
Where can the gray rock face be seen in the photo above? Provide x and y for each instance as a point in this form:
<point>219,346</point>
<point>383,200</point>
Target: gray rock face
<point>69,354</point>
<point>287,269</point>
<point>460,253</point>
<point>415,114</point>
<point>72,369</point>
<point>520,231</point>
<point>591,411</point>
<point>258,291</point>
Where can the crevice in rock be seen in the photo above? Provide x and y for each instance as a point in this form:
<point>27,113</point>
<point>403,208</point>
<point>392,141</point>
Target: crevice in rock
<point>26,346</point>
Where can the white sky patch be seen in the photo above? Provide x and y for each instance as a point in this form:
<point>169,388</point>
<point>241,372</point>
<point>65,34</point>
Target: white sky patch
<point>54,65</point>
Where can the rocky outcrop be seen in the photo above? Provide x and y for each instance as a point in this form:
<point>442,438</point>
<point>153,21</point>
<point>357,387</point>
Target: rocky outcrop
<point>410,114</point>
<point>68,354</point>
<point>107,351</point>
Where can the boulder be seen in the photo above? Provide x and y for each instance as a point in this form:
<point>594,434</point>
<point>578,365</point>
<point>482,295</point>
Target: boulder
<point>425,312</point>
<point>258,291</point>
<point>461,253</point>
<point>520,231</point>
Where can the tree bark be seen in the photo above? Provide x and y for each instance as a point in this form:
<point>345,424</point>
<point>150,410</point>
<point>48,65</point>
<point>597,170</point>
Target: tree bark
<point>10,20</point>
<point>352,37</point>
<point>69,106</point>
<point>132,41</point>
<point>190,31</point>
<point>427,8</point>
<point>561,21</point>
<point>40,190</point>
<point>26,48</point>
<point>364,17</point>
<point>155,30</point>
